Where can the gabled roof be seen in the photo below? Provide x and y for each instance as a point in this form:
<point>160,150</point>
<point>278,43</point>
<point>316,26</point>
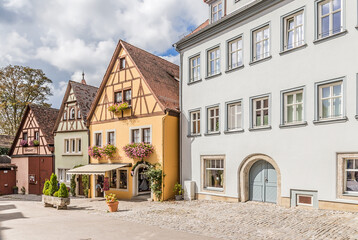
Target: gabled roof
<point>85,94</point>
<point>45,117</point>
<point>161,76</point>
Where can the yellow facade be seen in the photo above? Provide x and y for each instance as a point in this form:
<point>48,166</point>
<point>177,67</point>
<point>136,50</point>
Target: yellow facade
<point>145,111</point>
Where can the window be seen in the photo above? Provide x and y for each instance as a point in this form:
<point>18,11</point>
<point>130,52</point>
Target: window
<point>213,120</point>
<point>122,179</point>
<point>260,112</point>
<point>195,123</point>
<point>330,100</point>
<point>122,63</point>
<point>67,146</point>
<point>63,176</point>
<point>73,145</point>
<point>214,61</point>
<point>72,113</point>
<point>214,174</point>
<point>261,43</point>
<point>65,115</point>
<point>329,18</point>
<point>146,135</point>
<point>79,146</point>
<point>216,11</point>
<point>234,116</point>
<point>24,136</point>
<point>98,139</point>
<point>194,69</point>
<point>351,175</point>
<point>293,107</point>
<point>135,136</point>
<point>128,96</point>
<point>113,179</point>
<point>118,97</point>
<point>235,53</point>
<point>37,136</point>
<point>294,31</point>
<point>111,138</point>
<point>79,114</point>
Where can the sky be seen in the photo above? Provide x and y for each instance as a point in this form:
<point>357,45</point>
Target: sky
<point>66,37</point>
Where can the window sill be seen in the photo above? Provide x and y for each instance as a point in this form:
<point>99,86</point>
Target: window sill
<point>328,121</point>
<point>293,49</point>
<point>72,154</point>
<point>213,76</point>
<point>193,135</point>
<point>213,189</point>
<point>235,68</point>
<point>293,125</point>
<point>347,194</point>
<point>261,60</point>
<point>234,131</point>
<point>344,32</point>
<point>260,128</point>
<point>196,81</point>
<point>212,133</point>
<point>118,189</point>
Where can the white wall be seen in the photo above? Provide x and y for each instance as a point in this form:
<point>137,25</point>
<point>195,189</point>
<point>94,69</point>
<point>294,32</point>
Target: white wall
<point>305,155</point>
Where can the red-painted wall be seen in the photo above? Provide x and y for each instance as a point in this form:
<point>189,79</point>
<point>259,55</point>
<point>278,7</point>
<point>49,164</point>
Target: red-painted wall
<point>7,181</point>
<point>41,168</point>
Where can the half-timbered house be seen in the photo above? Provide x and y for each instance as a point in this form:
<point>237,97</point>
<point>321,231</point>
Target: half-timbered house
<point>150,87</point>
<point>33,147</point>
<point>71,132</point>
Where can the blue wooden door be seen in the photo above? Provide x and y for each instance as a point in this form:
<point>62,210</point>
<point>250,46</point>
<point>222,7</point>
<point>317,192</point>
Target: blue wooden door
<point>263,182</point>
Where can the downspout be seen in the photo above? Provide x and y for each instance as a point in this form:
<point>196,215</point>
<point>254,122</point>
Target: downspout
<point>163,126</point>
<point>180,119</point>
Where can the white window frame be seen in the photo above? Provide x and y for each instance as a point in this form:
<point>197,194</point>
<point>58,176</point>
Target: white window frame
<point>331,98</point>
<point>72,112</point>
<point>217,57</point>
<point>140,129</point>
<point>237,51</point>
<point>94,138</point>
<point>150,135</point>
<point>294,104</point>
<point>73,145</point>
<point>319,16</point>
<point>78,144</point>
<point>216,4</point>
<point>209,117</point>
<point>63,176</point>
<point>228,104</point>
<point>262,109</point>
<point>260,30</point>
<point>197,122</point>
<point>285,25</point>
<point>67,147</point>
<point>304,204</point>
<point>107,135</point>
<point>204,186</point>
<point>192,77</point>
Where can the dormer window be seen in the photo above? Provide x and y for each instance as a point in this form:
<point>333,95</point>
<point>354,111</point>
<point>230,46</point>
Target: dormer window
<point>216,11</point>
<point>79,114</point>
<point>65,115</point>
<point>72,113</point>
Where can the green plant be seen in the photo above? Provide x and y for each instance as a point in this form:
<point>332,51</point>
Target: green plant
<point>63,192</point>
<point>55,194</point>
<point>111,198</point>
<point>23,190</point>
<point>138,150</point>
<point>15,187</point>
<point>4,151</point>
<point>47,192</point>
<point>46,186</point>
<point>36,143</point>
<point>178,189</point>
<point>73,185</point>
<point>155,176</point>
<point>85,184</point>
<point>53,184</point>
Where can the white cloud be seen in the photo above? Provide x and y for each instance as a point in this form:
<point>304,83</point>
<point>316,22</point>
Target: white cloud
<point>174,59</point>
<point>14,47</point>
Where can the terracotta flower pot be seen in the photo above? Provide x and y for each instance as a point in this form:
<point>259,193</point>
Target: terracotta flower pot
<point>113,206</point>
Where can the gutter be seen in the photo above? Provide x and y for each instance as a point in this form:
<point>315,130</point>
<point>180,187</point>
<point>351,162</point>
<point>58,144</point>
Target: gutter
<point>163,174</point>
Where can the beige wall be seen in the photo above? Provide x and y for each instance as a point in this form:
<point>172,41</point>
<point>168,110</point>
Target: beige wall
<point>22,172</point>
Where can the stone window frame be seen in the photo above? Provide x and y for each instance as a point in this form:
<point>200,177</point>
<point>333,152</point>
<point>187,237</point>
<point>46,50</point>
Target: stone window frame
<point>202,177</point>
<point>340,188</point>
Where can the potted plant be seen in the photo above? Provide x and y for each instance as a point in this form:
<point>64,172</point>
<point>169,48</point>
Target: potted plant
<point>178,190</point>
<point>15,190</point>
<point>36,143</point>
<point>54,197</point>
<point>23,143</point>
<point>23,190</point>
<point>112,202</point>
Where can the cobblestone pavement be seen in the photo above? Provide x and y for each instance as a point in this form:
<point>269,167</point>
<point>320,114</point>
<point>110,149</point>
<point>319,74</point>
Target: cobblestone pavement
<point>233,220</point>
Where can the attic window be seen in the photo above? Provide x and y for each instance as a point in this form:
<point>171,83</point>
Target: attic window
<point>122,63</point>
<point>65,115</point>
<point>78,113</point>
<point>216,11</point>
<point>72,113</point>
<point>24,136</point>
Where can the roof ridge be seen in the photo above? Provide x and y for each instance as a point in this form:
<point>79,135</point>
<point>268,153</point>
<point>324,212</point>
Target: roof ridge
<point>71,81</point>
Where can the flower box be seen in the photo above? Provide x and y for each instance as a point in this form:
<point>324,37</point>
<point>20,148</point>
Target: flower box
<point>118,108</point>
<point>59,203</point>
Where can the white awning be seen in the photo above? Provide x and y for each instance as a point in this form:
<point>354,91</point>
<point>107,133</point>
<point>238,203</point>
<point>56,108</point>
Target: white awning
<point>96,169</point>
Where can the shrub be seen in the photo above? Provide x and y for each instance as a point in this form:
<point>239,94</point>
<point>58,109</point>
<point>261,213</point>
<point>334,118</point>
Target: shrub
<point>46,186</point>
<point>55,194</point>
<point>53,184</point>
<point>73,185</point>
<point>178,189</point>
<point>63,192</point>
<point>36,143</point>
<point>47,192</point>
<point>85,184</point>
<point>155,176</point>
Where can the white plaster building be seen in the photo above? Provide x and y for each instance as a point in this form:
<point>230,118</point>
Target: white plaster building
<point>269,103</point>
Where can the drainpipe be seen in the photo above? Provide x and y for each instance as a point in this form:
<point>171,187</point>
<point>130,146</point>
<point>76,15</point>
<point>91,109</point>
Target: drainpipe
<point>163,126</point>
<point>180,119</point>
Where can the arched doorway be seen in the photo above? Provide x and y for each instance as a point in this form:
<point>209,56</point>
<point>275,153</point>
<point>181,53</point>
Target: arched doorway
<point>250,172</point>
<point>140,181</point>
<point>263,182</point>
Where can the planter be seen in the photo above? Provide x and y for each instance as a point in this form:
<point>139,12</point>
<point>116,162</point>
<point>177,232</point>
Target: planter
<point>178,197</point>
<point>113,206</point>
<point>59,203</point>
<point>15,190</point>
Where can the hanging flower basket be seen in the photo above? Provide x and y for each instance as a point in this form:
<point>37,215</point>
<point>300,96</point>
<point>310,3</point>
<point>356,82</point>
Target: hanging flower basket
<point>138,150</point>
<point>117,108</point>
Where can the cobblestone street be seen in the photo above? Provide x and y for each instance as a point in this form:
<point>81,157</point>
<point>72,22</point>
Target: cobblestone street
<point>230,220</point>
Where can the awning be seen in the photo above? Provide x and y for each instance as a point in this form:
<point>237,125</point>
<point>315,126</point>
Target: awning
<point>96,169</point>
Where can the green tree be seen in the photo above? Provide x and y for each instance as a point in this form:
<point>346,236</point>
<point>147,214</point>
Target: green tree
<point>53,184</point>
<point>20,86</point>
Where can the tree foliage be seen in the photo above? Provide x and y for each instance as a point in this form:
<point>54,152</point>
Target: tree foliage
<point>20,86</point>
